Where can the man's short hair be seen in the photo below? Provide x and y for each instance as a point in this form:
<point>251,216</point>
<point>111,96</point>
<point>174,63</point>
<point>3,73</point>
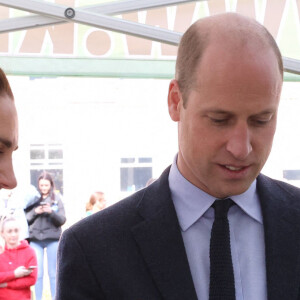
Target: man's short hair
<point>197,38</point>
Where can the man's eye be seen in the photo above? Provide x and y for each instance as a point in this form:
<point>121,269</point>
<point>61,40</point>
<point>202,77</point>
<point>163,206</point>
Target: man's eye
<point>219,121</point>
<point>261,122</point>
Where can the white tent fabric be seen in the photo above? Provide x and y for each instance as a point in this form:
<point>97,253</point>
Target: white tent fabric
<point>102,16</point>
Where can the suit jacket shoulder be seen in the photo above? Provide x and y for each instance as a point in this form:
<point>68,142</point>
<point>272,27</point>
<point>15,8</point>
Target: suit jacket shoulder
<point>129,250</point>
<point>280,192</point>
<point>280,203</point>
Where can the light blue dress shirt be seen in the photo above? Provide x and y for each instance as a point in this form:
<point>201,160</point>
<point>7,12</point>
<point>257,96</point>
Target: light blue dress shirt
<point>196,216</point>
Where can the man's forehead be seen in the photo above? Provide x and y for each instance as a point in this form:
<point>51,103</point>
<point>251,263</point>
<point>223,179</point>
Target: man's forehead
<point>223,67</point>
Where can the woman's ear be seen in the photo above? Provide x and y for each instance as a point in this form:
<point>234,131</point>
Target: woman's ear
<point>174,100</point>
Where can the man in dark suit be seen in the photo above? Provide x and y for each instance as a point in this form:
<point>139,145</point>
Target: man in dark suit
<point>156,243</point>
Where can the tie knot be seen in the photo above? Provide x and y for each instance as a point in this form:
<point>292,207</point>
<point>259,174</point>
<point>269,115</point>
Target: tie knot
<point>221,207</point>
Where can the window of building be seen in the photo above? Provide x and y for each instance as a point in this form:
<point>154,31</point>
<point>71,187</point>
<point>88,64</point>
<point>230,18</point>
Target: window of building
<point>134,173</point>
<point>47,157</point>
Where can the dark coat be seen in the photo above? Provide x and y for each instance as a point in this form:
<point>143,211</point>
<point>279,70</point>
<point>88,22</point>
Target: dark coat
<point>134,250</point>
<point>46,226</point>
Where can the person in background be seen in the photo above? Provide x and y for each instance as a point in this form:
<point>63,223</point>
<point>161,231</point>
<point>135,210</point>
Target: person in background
<point>149,181</point>
<point>45,219</point>
<point>18,263</point>
<point>96,203</point>
<point>6,210</point>
<point>30,196</point>
<point>16,202</point>
<point>5,196</point>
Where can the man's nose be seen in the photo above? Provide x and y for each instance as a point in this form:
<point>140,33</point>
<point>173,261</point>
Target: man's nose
<point>239,142</point>
<point>7,177</point>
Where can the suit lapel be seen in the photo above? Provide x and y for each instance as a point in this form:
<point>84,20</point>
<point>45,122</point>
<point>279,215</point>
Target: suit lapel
<point>281,212</point>
<point>159,239</point>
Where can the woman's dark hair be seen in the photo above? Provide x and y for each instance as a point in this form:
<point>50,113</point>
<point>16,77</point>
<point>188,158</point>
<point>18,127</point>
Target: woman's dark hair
<point>45,175</point>
<point>5,86</point>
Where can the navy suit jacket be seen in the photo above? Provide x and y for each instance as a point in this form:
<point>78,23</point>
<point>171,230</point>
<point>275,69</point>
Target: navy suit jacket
<point>134,250</point>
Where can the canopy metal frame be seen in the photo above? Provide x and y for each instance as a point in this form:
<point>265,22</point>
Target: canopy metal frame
<point>102,16</point>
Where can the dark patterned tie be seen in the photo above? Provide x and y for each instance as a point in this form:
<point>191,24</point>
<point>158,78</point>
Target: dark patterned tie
<point>221,269</point>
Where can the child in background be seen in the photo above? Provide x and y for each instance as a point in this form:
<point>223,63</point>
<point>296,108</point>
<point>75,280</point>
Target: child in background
<point>18,263</point>
<point>96,203</point>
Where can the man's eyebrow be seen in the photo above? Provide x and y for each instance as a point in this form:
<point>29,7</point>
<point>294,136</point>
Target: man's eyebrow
<point>266,112</point>
<point>220,111</point>
<point>6,142</point>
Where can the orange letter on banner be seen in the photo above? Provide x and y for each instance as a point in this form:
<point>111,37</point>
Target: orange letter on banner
<point>159,18</point>
<point>246,8</point>
<point>273,15</point>
<point>298,5</point>
<point>183,19</point>
<point>98,42</point>
<point>4,14</point>
<point>136,46</point>
<point>216,7</point>
<point>62,36</point>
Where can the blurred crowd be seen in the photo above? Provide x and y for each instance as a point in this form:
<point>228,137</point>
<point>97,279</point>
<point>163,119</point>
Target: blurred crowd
<point>31,220</point>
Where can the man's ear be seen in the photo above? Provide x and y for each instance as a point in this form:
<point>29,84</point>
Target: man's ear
<point>174,100</point>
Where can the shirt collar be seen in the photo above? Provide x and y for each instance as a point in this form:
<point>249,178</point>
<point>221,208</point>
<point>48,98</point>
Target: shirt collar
<point>191,202</point>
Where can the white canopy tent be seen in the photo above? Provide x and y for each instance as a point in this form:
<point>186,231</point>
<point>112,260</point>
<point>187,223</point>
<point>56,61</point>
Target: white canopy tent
<point>102,16</point>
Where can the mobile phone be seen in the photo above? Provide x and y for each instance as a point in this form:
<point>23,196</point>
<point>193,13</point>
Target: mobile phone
<point>43,203</point>
<point>32,267</point>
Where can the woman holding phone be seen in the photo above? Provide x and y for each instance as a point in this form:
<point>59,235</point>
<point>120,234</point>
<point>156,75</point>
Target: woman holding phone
<point>18,263</point>
<point>45,219</point>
